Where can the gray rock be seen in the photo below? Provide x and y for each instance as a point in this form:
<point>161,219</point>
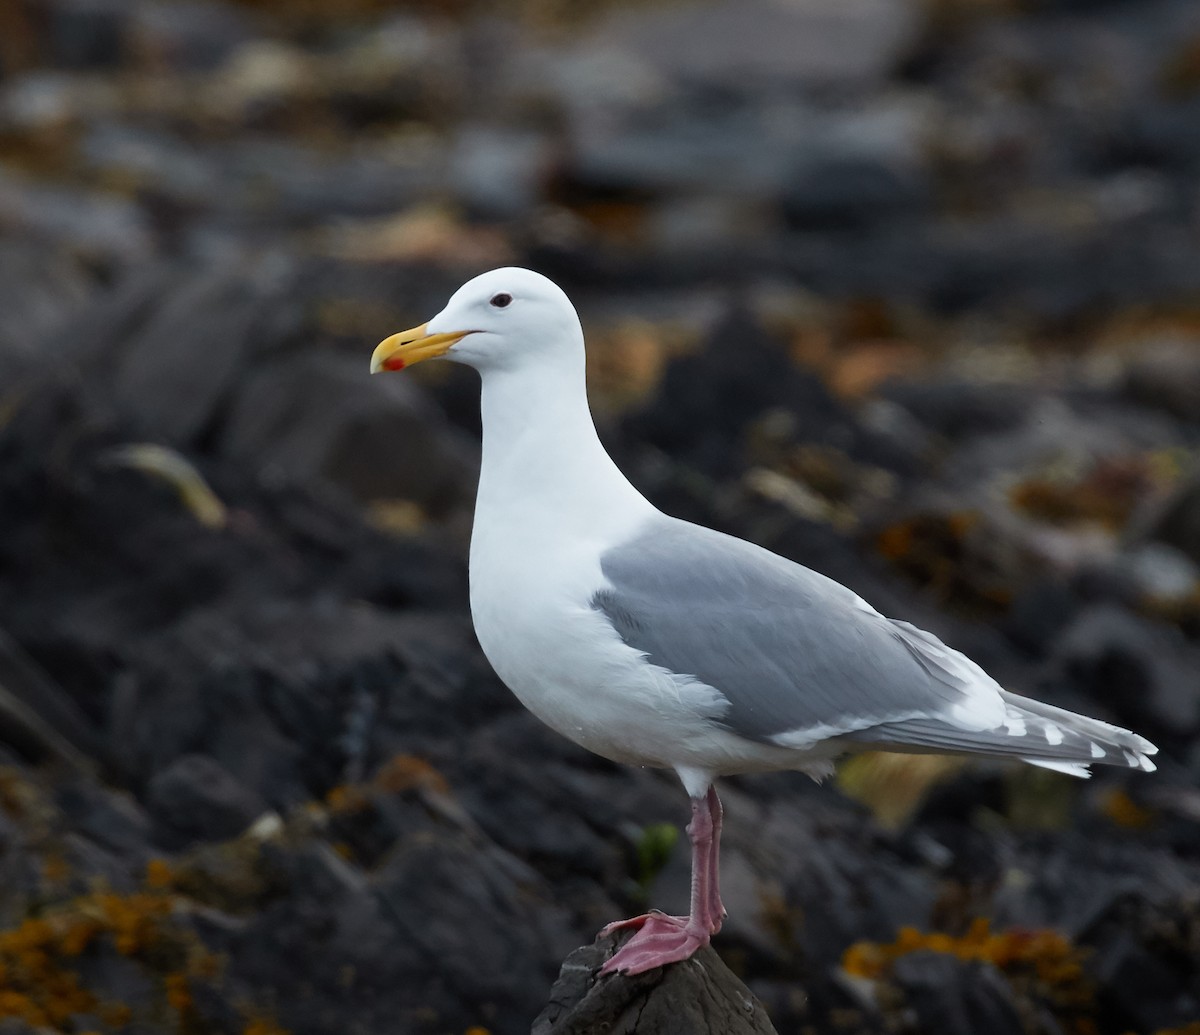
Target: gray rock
<point>1146,673</point>
<point>197,799</point>
<point>700,996</point>
<point>40,287</point>
<point>733,45</point>
<point>954,997</point>
<point>319,415</point>
<point>1176,520</point>
<point>191,351</point>
<point>190,35</point>
<point>101,226</point>
<point>498,172</point>
<point>1166,374</point>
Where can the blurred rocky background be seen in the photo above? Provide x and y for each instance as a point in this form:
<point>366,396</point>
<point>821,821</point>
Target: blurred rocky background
<point>907,290</point>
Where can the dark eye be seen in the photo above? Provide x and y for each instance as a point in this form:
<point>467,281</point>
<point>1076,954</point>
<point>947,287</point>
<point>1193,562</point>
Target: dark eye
<point>501,300</point>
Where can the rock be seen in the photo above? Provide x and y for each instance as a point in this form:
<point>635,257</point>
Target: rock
<point>955,997</point>
<point>706,400</point>
<point>742,47</point>
<point>40,287</point>
<point>1166,374</point>
<point>1175,521</point>
<point>848,193</point>
<point>193,35</point>
<point>318,415</point>
<point>197,799</point>
<point>698,996</point>
<point>194,347</point>
<point>1143,672</point>
<point>958,410</point>
<point>104,228</point>
<point>112,819</point>
<point>498,173</point>
<point>87,33</point>
<point>38,716</point>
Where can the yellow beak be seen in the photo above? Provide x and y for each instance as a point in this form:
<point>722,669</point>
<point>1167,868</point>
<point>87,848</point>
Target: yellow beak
<point>409,347</point>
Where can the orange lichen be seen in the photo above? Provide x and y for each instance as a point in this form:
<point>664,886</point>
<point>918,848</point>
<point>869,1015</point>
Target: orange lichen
<point>55,869</point>
<point>1047,954</point>
<point>1118,806</point>
<point>38,983</point>
<point>132,920</point>
<point>949,553</point>
<point>159,875</point>
<point>346,797</point>
<point>179,991</point>
<point>1106,495</point>
<point>34,987</point>
<point>263,1026</point>
<point>408,772</point>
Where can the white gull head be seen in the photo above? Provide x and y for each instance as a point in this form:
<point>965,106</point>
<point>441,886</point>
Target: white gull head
<point>505,319</point>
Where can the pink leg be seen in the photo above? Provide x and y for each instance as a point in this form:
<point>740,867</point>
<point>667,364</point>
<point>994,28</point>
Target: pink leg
<point>662,939</point>
<point>716,908</point>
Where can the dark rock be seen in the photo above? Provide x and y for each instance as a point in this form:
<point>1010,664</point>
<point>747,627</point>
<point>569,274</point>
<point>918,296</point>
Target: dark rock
<point>1143,672</point>
<point>1166,374</point>
<point>958,410</point>
<point>707,400</point>
<point>197,799</point>
<point>1176,521</point>
<point>185,359</point>
<point>846,194</point>
<point>190,36</point>
<point>87,33</point>
<point>1143,988</point>
<point>499,173</point>
<point>104,228</point>
<point>111,819</point>
<point>698,996</point>
<point>39,288</point>
<point>1040,612</point>
<point>735,47</point>
<point>319,415</point>
<point>31,701</point>
<point>956,997</point>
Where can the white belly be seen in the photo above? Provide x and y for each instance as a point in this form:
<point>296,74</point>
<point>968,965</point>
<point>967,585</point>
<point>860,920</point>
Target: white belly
<point>564,661</point>
<point>531,605</point>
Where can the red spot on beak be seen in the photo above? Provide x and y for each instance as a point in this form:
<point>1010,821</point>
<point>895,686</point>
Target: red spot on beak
<point>393,363</point>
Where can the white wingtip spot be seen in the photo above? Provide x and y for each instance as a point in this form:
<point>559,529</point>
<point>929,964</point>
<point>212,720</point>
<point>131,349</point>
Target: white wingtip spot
<point>1097,750</point>
<point>1014,723</point>
<point>1079,769</point>
<point>1053,734</point>
<point>1145,764</point>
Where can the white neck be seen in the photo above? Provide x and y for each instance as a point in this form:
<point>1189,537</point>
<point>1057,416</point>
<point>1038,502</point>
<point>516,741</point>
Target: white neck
<point>543,463</point>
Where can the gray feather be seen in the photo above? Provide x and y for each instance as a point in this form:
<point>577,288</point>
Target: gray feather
<point>1034,732</point>
<point>788,648</point>
<point>794,652</point>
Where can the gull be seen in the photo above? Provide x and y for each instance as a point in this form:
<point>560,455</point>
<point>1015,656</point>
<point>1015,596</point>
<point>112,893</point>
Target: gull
<point>656,642</point>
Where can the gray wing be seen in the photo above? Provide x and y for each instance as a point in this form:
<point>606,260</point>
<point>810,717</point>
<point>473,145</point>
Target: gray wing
<point>797,656</point>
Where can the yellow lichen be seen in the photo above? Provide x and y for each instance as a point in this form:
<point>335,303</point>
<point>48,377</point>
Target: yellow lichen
<point>346,798</point>
<point>1125,812</point>
<point>159,875</point>
<point>407,772</point>
<point>1045,953</point>
<point>179,991</point>
<point>37,982</point>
